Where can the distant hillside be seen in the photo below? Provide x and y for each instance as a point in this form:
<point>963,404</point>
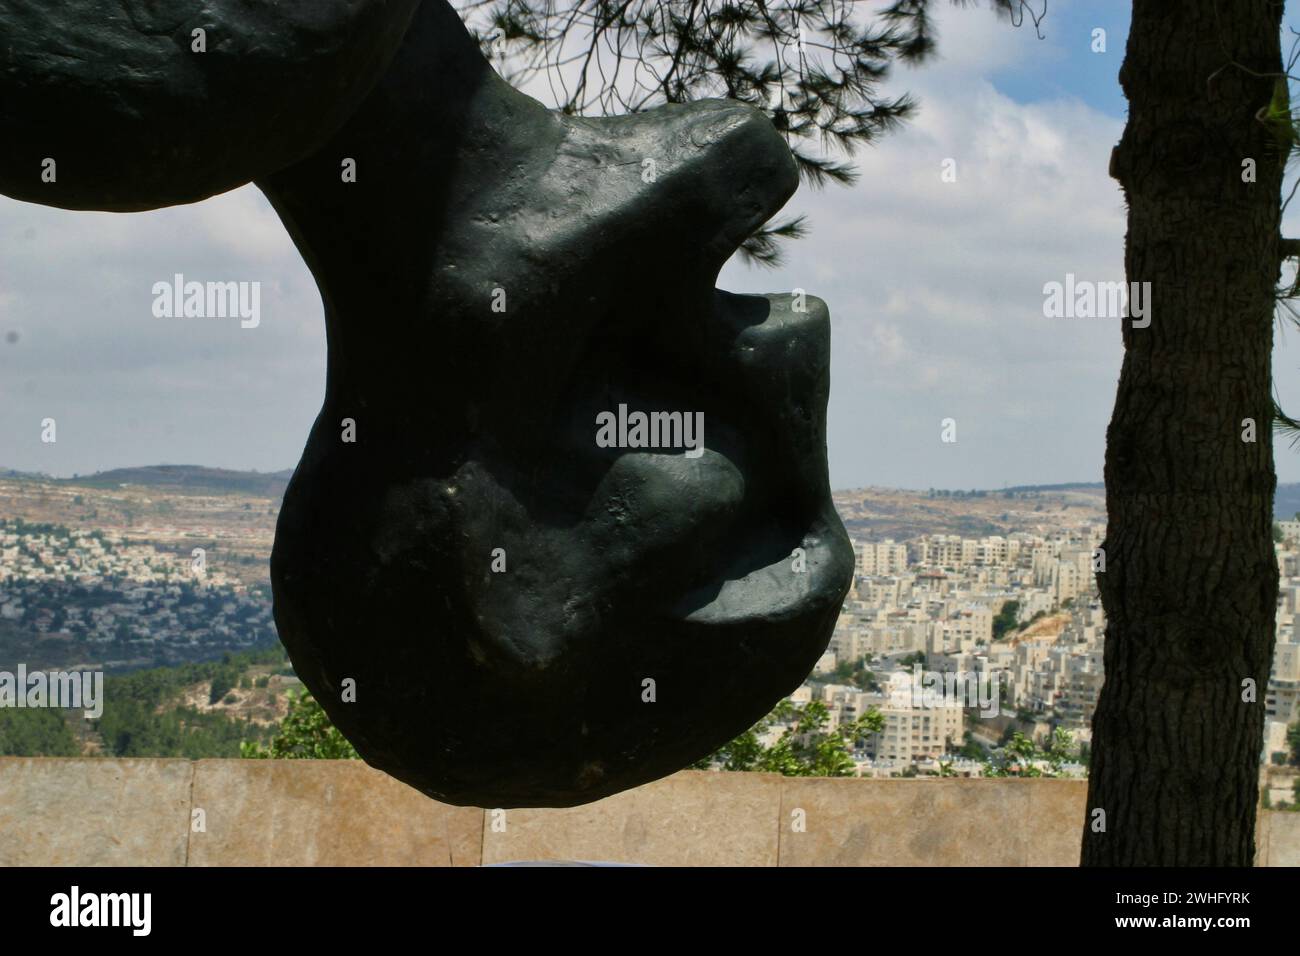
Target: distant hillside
<point>192,710</point>
<point>190,479</point>
<point>875,513</point>
<point>198,480</point>
<point>1068,486</point>
<point>1286,500</point>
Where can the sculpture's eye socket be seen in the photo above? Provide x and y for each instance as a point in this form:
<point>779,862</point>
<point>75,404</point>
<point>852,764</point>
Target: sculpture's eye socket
<point>698,442</point>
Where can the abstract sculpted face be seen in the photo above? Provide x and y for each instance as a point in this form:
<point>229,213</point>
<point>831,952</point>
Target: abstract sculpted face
<point>563,524</point>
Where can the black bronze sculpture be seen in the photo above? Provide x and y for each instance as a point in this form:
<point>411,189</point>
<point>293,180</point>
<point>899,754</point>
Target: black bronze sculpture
<point>563,523</point>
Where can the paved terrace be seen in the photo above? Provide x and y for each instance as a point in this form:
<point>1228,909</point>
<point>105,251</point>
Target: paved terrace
<point>93,812</point>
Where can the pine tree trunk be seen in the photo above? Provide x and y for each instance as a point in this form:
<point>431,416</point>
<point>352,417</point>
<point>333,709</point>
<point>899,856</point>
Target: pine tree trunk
<point>1190,579</point>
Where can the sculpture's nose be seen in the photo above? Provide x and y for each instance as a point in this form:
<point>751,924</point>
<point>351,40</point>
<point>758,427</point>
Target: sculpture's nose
<point>722,171</point>
<point>751,169</point>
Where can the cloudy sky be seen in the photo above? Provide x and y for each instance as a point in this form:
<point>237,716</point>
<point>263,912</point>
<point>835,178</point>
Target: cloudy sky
<point>935,288</point>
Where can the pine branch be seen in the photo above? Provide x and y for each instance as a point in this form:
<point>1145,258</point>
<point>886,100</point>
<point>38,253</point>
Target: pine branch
<point>762,249</point>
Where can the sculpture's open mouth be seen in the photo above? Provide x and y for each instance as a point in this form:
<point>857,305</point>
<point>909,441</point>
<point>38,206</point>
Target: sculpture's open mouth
<point>792,588</point>
<point>741,526</point>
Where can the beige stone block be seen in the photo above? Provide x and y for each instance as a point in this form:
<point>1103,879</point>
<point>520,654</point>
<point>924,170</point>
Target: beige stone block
<point>91,812</point>
<point>1281,838</point>
<point>324,813</point>
<point>693,818</point>
<point>1261,836</point>
<point>1057,814</point>
<point>949,822</point>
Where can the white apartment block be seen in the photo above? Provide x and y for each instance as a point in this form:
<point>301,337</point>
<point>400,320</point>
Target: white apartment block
<point>1282,700</point>
<point>846,704</point>
<point>1288,598</point>
<point>1082,679</point>
<point>1274,740</point>
<point>902,637</point>
<point>970,627</point>
<point>884,557</point>
<point>912,732</point>
<point>956,553</point>
<point>826,663</point>
<point>998,551</point>
<point>1067,581</point>
<point>1042,561</point>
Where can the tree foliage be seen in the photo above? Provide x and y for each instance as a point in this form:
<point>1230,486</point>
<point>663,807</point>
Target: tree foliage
<point>305,733</point>
<point>1006,619</point>
<point>806,748</point>
<point>142,719</point>
<point>1021,757</point>
<point>857,674</point>
<point>36,732</point>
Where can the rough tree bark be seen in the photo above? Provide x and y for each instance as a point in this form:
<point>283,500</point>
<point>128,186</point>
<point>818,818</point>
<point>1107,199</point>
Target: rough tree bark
<point>1190,580</point>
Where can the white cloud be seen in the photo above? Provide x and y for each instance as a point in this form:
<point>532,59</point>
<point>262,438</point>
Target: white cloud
<point>936,294</point>
<point>128,388</point>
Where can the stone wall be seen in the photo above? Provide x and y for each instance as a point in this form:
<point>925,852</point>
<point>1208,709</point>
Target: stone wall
<point>93,812</point>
